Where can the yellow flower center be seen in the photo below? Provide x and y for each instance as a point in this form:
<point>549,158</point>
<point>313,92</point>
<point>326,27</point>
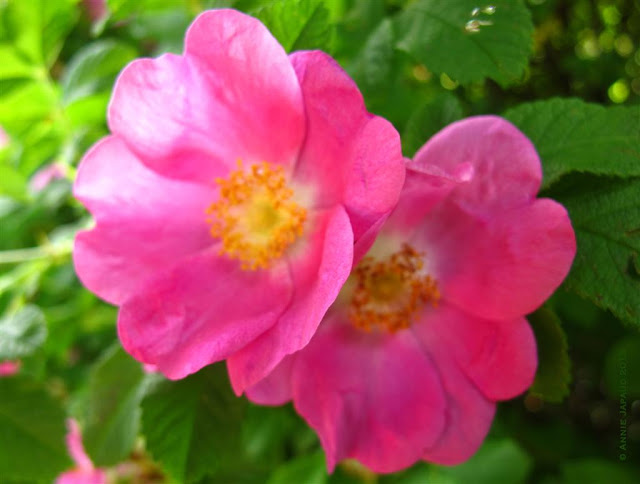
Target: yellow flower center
<point>389,292</point>
<point>255,218</point>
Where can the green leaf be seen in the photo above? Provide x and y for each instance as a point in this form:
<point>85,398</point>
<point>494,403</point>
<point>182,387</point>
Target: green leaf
<point>193,426</point>
<point>621,364</point>
<point>310,469</point>
<point>554,366</point>
<point>571,135</point>
<point>33,428</point>
<point>13,183</point>
<point>94,68</point>
<point>112,409</point>
<point>374,68</point>
<point>434,33</point>
<point>500,461</point>
<point>37,27</point>
<point>605,213</point>
<point>22,332</point>
<point>587,471</point>
<point>428,119</point>
<point>298,24</point>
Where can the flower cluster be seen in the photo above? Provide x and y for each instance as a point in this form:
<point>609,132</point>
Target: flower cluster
<point>248,208</point>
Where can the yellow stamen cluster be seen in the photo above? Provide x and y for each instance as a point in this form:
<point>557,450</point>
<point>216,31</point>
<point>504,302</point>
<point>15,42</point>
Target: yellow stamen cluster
<point>389,292</point>
<point>254,216</point>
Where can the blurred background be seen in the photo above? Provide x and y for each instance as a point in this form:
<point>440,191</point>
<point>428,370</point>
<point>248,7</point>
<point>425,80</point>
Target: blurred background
<point>58,63</point>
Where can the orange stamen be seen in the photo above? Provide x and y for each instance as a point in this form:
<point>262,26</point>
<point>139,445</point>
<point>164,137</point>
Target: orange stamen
<point>389,292</point>
<point>255,217</point>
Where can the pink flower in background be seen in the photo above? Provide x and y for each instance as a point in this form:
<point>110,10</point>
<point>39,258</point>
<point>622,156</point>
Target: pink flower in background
<point>84,472</point>
<point>429,331</point>
<point>4,138</point>
<point>45,175</point>
<point>229,198</point>
<point>96,9</point>
<point>9,368</point>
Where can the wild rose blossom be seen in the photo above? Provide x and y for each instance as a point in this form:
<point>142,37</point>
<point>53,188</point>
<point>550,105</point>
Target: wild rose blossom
<point>9,367</point>
<point>229,198</point>
<point>84,472</point>
<point>429,332</point>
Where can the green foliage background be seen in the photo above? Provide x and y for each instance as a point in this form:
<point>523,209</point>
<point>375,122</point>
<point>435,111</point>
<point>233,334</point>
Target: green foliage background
<point>565,72</point>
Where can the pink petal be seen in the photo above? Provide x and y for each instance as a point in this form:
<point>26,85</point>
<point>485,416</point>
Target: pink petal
<point>275,388</point>
<point>503,266</point>
<point>373,397</point>
<point>499,357</point>
<point>145,222</point>
<point>353,156</point>
<point>9,368</point>
<point>424,187</point>
<point>468,415</point>
<point>201,311</point>
<point>75,447</point>
<point>82,476</point>
<point>234,95</point>
<point>318,271</point>
<point>506,167</point>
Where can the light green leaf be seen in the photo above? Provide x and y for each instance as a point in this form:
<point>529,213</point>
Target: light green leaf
<point>112,409</point>
<point>434,33</point>
<point>428,119</point>
<point>554,366</point>
<point>22,332</point>
<point>13,64</point>
<point>605,213</point>
<point>32,443</point>
<point>193,426</point>
<point>13,183</point>
<point>298,24</point>
<point>571,135</point>
<point>37,27</point>
<point>94,68</point>
<point>310,469</point>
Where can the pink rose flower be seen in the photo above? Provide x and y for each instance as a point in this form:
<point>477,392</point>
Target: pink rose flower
<point>84,471</point>
<point>229,198</point>
<point>9,368</point>
<point>430,332</point>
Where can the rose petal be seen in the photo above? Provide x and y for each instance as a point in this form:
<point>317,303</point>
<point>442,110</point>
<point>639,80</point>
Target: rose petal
<point>145,222</point>
<point>506,167</point>
<point>233,95</point>
<point>498,267</point>
<point>352,157</point>
<point>275,388</point>
<point>499,357</point>
<point>318,271</point>
<point>373,397</point>
<point>201,311</point>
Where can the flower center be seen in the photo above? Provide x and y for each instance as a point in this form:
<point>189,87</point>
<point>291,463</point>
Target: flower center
<point>389,292</point>
<point>255,217</point>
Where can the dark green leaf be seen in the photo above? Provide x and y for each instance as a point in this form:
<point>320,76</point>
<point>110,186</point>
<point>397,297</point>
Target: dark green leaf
<point>375,62</point>
<point>94,68</point>
<point>22,332</point>
<point>500,461</point>
<point>596,471</point>
<point>193,426</point>
<point>554,366</point>
<point>298,24</point>
<point>428,119</point>
<point>439,34</point>
<point>571,135</point>
<point>622,366</point>
<point>112,412</point>
<point>32,432</point>
<point>605,214</point>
